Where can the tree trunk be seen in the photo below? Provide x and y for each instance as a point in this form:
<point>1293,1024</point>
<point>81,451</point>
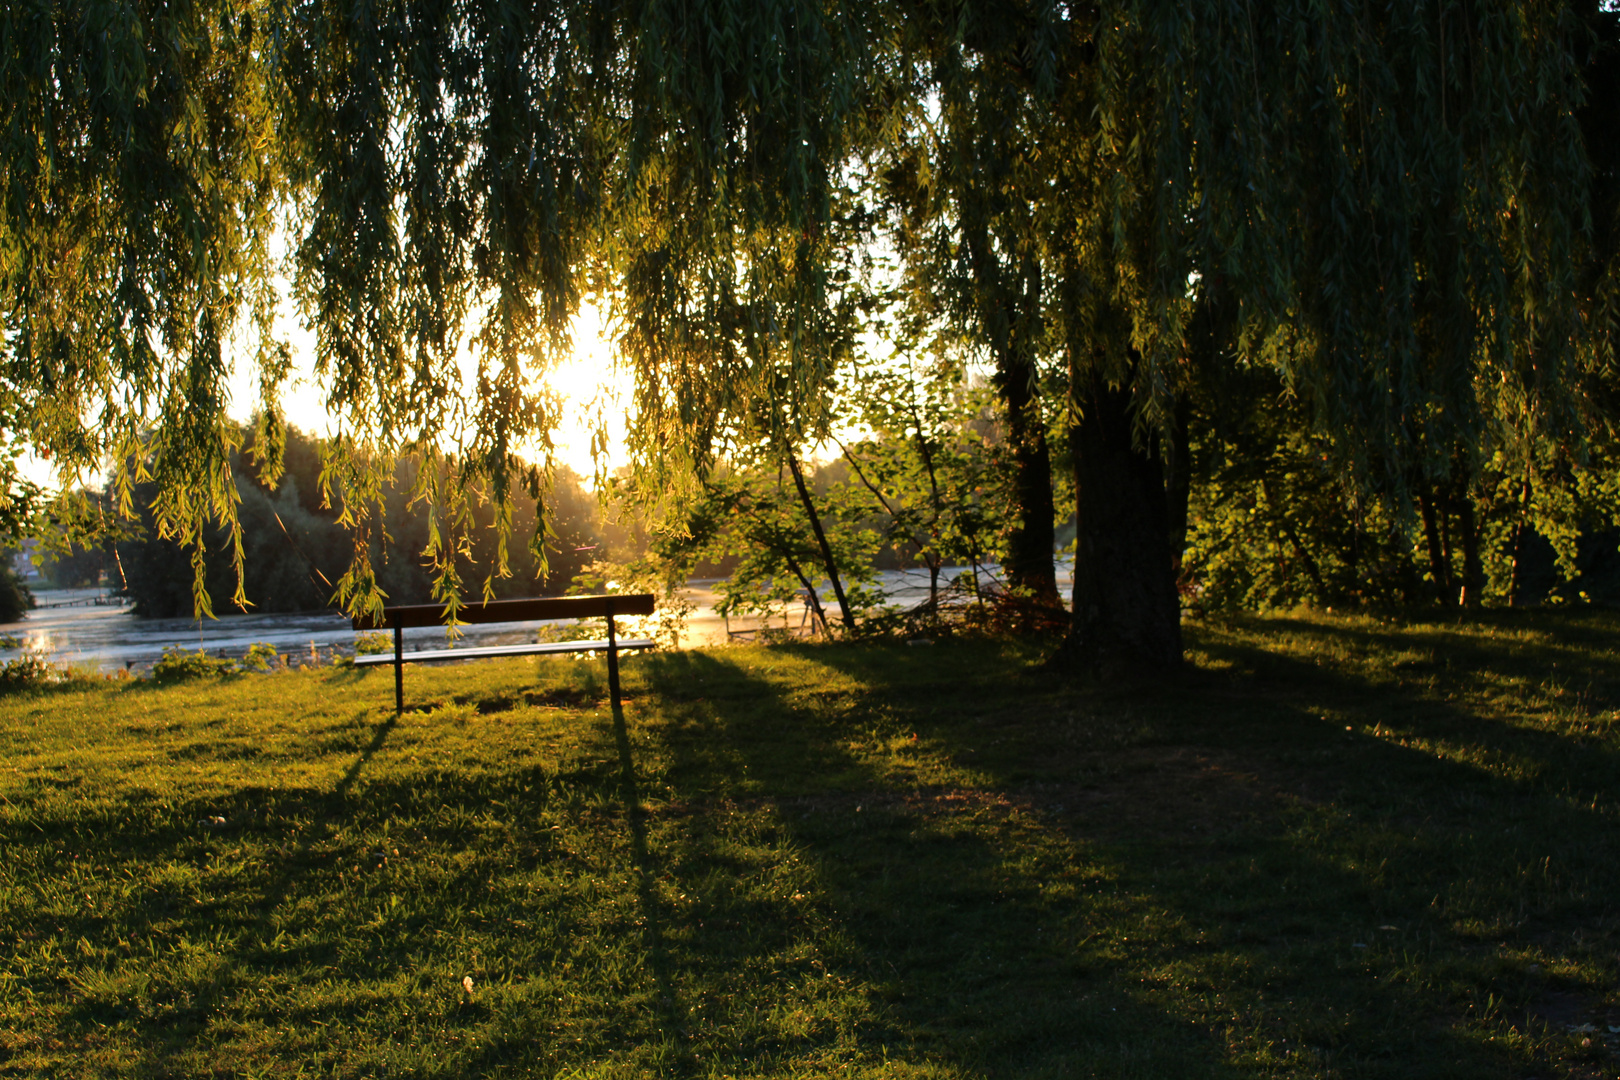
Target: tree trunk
<point>1126,611</point>
<point>1473,575</point>
<point>1439,568</point>
<point>1010,316</point>
<point>816,613</point>
<point>1518,539</point>
<point>821,541</point>
<point>1032,538</point>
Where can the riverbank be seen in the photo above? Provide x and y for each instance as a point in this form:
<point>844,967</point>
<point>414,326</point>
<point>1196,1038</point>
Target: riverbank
<point>73,631</point>
<point>1331,847</point>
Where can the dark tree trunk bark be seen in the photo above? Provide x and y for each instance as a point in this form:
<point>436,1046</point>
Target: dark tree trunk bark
<point>1009,301</point>
<point>1518,539</point>
<point>817,614</point>
<point>1439,567</point>
<point>1473,574</point>
<point>1030,542</point>
<point>1126,611</point>
<point>1352,554</point>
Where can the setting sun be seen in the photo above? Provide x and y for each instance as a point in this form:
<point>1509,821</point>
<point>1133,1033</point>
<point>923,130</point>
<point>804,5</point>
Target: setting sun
<point>593,393</point>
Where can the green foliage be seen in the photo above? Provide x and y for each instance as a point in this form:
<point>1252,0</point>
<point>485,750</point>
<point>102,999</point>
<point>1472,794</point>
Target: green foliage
<point>16,598</point>
<point>1397,200</point>
<point>178,665</point>
<point>296,549</point>
<point>261,656</point>
<point>754,521</point>
<point>1276,522</point>
<point>927,463</point>
<point>31,671</point>
<point>372,644</point>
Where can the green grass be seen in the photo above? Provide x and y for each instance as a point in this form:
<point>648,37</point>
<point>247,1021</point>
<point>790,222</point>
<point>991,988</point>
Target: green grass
<point>1332,847</point>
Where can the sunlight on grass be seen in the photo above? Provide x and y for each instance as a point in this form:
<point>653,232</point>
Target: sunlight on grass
<point>1336,846</point>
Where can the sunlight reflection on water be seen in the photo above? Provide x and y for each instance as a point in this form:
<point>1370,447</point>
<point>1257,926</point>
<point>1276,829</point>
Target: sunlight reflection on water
<point>107,638</point>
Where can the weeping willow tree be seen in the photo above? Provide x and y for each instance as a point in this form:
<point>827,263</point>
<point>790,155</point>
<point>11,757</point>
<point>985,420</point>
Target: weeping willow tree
<point>1385,204</point>
<point>1387,197</point>
<point>965,184</point>
<point>436,181</point>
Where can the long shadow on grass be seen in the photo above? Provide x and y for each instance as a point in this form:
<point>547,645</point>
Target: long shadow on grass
<point>891,921</point>
<point>1429,698</point>
<point>177,1016</point>
<point>1202,875</point>
<point>672,1013</point>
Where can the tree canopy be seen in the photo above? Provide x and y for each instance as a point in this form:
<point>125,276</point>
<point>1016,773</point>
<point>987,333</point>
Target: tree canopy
<point>1387,205</point>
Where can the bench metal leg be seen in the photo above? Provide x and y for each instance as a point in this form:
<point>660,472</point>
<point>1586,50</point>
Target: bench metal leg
<point>399,670</point>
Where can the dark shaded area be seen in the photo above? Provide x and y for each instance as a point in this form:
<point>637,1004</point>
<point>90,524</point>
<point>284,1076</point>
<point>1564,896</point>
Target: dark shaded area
<point>1220,808</point>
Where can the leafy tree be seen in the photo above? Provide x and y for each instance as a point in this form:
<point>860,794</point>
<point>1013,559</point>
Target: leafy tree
<point>965,189</point>
<point>927,464</point>
<point>1393,198</point>
<point>1348,184</point>
<point>427,163</point>
<point>783,543</point>
<point>78,567</point>
<point>15,596</point>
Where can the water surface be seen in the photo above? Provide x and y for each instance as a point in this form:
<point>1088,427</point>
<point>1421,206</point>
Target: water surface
<point>107,638</point>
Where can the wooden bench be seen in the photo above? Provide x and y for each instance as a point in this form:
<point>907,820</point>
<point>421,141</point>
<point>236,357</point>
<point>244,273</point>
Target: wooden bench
<point>503,611</point>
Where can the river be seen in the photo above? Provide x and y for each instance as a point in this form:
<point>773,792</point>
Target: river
<point>68,629</point>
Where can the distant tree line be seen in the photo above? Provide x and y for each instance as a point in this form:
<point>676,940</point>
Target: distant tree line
<point>294,549</point>
<point>1259,514</point>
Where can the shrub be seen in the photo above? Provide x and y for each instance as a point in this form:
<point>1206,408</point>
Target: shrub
<point>261,656</point>
<point>178,665</point>
<point>30,671</point>
<point>371,644</point>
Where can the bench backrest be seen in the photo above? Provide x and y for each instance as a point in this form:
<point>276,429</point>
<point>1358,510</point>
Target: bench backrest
<point>495,611</point>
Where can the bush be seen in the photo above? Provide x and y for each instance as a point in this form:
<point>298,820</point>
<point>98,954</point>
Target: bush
<point>372,644</point>
<point>261,656</point>
<point>30,671</point>
<point>178,665</point>
<point>15,596</point>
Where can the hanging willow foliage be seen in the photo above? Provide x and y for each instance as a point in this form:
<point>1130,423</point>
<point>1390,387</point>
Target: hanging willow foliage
<point>1394,193</point>
<point>444,175</point>
<point>1390,192</point>
<point>1386,203</point>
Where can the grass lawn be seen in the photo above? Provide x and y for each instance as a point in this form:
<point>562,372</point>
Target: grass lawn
<point>1331,847</point>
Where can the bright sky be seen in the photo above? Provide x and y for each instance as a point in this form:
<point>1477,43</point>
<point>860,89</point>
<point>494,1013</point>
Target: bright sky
<point>588,384</point>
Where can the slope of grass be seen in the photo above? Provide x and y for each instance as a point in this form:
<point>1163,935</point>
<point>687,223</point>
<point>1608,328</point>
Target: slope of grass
<point>1332,847</point>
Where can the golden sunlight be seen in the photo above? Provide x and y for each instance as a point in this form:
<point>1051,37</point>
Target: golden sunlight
<point>593,394</point>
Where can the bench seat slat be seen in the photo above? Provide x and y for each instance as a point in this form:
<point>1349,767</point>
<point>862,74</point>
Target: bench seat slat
<point>485,651</point>
<point>496,611</point>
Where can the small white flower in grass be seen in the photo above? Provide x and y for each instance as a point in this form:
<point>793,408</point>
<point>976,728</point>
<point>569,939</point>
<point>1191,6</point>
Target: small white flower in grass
<point>466,985</point>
